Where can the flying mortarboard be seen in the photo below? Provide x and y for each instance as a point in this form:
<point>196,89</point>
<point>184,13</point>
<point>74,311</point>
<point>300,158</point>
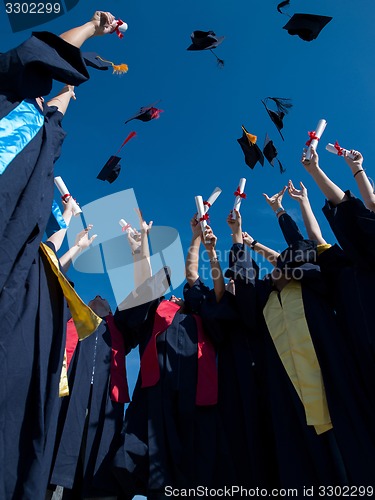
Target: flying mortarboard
<point>270,152</point>
<point>206,40</point>
<point>283,105</point>
<point>147,113</point>
<point>93,60</point>
<point>306,26</point>
<point>250,149</point>
<point>111,169</point>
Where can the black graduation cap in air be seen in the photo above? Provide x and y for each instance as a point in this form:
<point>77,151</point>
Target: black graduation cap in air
<point>250,149</point>
<point>306,26</point>
<point>147,113</point>
<point>283,105</point>
<point>112,168</point>
<point>270,152</point>
<point>206,40</point>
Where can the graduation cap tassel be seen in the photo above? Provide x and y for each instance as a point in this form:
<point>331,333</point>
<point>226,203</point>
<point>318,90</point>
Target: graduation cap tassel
<point>130,136</point>
<point>220,62</point>
<point>283,104</point>
<point>118,69</point>
<point>282,169</point>
<point>281,5</point>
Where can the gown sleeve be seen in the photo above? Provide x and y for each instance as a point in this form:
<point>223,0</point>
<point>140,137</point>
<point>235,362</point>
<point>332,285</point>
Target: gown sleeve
<point>290,230</point>
<point>28,70</point>
<point>354,227</point>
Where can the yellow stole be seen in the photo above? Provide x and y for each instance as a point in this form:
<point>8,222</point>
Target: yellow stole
<point>85,320</point>
<point>323,247</point>
<point>286,322</point>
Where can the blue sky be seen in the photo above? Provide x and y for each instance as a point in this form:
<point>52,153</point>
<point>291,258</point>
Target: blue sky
<point>192,148</point>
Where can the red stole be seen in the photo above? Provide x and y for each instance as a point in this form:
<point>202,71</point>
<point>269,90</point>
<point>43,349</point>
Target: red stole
<point>71,341</point>
<point>207,383</point>
<point>119,391</point>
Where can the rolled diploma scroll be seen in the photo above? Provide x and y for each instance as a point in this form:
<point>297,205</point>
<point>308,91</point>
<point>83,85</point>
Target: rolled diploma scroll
<point>60,184</point>
<point>123,27</point>
<point>201,212</point>
<point>237,201</point>
<point>126,227</point>
<point>318,132</point>
<point>331,148</point>
<point>211,200</point>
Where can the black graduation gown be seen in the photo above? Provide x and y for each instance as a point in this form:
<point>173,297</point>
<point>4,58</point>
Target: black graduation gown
<point>167,439</point>
<point>89,421</point>
<point>351,413</point>
<point>354,227</point>
<point>303,457</point>
<point>31,303</point>
<point>242,400</point>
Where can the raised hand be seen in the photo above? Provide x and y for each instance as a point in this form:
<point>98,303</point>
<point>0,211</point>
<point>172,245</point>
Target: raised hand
<point>299,195</point>
<point>275,201</point>
<point>82,239</point>
<point>312,164</point>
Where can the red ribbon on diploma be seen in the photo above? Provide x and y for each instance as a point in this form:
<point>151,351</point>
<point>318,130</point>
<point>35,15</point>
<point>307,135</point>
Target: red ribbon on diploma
<point>207,203</point>
<point>117,31</point>
<point>338,148</point>
<point>126,227</point>
<point>312,136</point>
<point>238,193</point>
<point>66,196</point>
<point>204,217</point>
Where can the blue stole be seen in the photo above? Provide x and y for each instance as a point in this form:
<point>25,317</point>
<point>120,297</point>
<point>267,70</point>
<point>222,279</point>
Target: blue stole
<point>55,221</point>
<point>17,129</point>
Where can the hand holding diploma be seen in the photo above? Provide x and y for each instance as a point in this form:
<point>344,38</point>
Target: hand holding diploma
<point>337,150</point>
<point>314,137</point>
<point>61,186</point>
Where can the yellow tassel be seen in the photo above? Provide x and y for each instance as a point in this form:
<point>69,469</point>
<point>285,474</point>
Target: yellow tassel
<point>119,69</point>
<point>250,137</point>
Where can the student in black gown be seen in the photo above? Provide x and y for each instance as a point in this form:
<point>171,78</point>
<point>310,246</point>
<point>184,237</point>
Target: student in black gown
<point>354,227</point>
<point>306,449</point>
<point>91,416</point>
<point>31,301</point>
<point>337,270</point>
<point>170,431</point>
<point>243,399</point>
<point>348,405</point>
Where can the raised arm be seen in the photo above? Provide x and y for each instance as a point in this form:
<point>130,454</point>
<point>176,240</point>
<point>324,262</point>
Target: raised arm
<point>238,236</point>
<point>333,193</point>
<point>62,99</point>
<point>209,243</point>
<point>82,242</point>
<point>290,230</point>
<point>364,185</point>
<point>266,252</point>
<point>141,251</point>
<point>101,23</point>
<point>192,258</point>
<point>309,219</point>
